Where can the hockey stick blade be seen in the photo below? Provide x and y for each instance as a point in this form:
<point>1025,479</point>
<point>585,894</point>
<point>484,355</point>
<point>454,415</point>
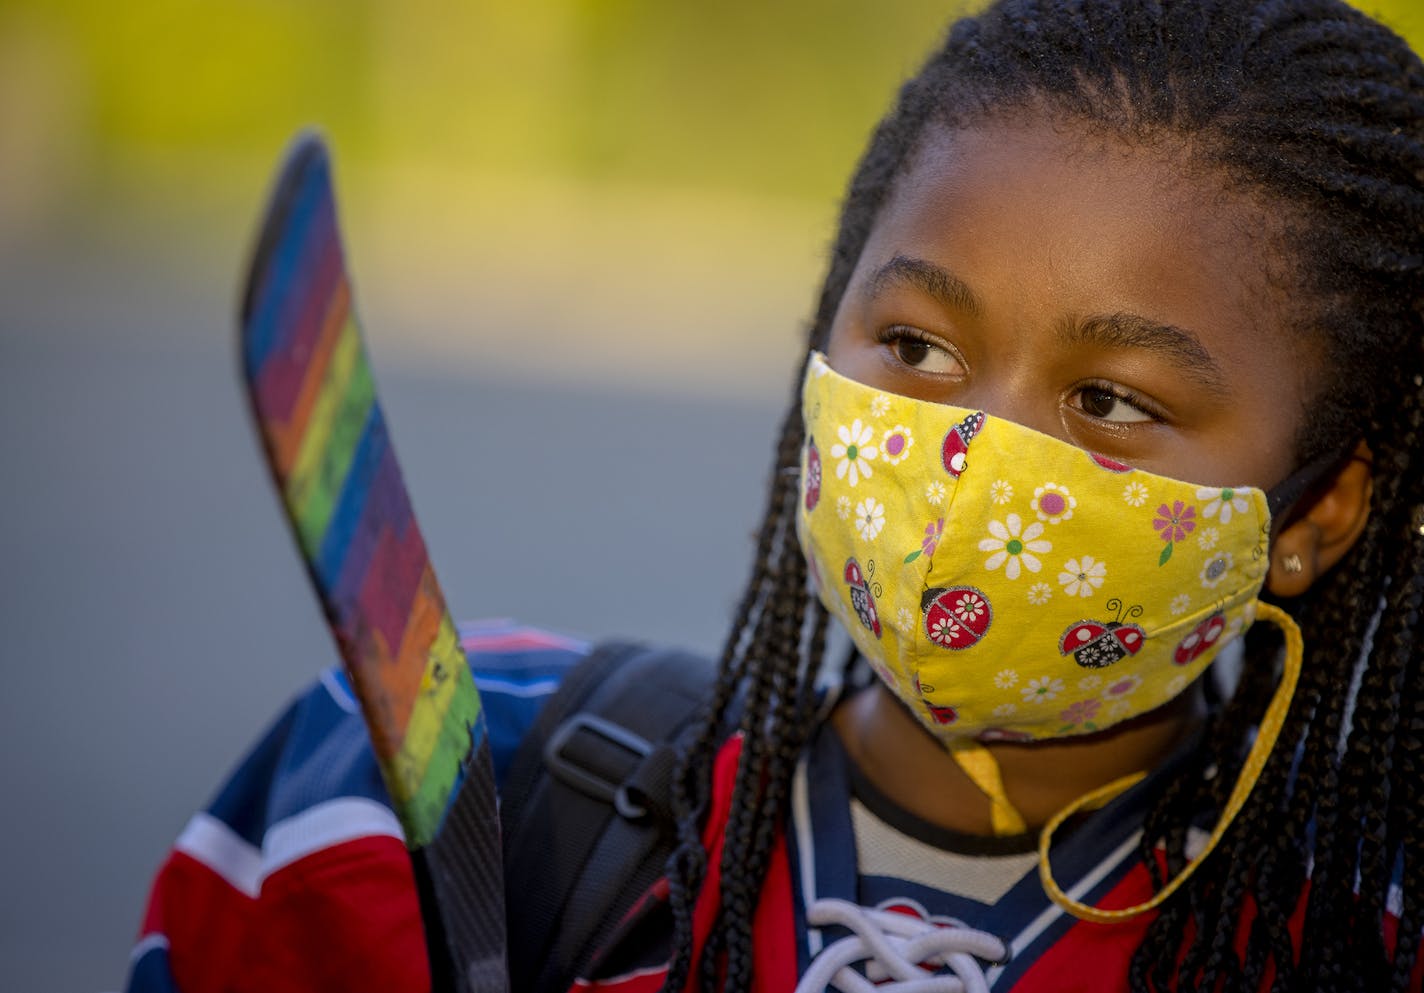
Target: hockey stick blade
<point>315,404</point>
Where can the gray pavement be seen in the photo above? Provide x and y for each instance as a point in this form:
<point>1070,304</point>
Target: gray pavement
<point>156,616</point>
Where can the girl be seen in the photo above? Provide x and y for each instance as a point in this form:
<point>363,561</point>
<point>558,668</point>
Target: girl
<point>1187,237</point>
<point>1120,350</point>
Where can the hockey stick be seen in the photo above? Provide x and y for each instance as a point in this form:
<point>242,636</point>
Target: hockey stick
<point>325,437</point>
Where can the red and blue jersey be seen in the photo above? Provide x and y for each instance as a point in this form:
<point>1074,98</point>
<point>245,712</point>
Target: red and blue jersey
<point>296,876</point>
<point>819,857</point>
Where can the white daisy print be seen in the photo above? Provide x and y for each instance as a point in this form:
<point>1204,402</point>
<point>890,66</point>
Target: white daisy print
<point>1222,503</point>
<point>1207,538</point>
<point>944,631</point>
<point>1015,547</point>
<point>1090,682</point>
<point>1042,688</point>
<point>1180,603</point>
<point>869,517</point>
<point>934,493</point>
<point>895,445</point>
<point>1007,679</point>
<point>1080,577</point>
<point>843,507</point>
<point>854,451</point>
<point>1039,594</point>
<point>904,620</point>
<point>1053,503</point>
<point>1174,686</point>
<point>1118,709</point>
<point>1004,710</point>
<point>880,405</point>
<point>1216,569</point>
<point>1135,494</point>
<point>1001,491</point>
<point>970,607</point>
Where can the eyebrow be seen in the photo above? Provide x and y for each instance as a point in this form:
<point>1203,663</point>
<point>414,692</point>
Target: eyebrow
<point>1119,330</point>
<point>944,286</point>
<point>1178,345</point>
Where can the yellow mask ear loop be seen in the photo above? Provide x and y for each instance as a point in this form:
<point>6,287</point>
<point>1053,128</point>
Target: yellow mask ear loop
<point>983,770</point>
<point>1266,736</point>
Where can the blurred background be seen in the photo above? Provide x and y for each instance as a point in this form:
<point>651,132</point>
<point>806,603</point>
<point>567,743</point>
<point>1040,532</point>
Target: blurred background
<point>585,238</point>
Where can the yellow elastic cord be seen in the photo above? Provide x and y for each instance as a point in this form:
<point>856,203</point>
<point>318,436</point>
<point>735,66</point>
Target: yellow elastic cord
<point>983,771</point>
<point>1266,735</point>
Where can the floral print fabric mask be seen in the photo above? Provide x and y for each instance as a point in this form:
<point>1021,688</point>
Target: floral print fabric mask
<point>1005,584</point>
<point>1008,586</point>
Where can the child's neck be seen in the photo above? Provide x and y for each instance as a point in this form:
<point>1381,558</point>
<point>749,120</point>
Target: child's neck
<point>912,768</point>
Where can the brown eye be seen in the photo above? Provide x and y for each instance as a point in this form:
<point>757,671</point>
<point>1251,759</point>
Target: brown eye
<point>913,348</point>
<point>1108,405</point>
<point>1098,403</point>
<point>911,352</point>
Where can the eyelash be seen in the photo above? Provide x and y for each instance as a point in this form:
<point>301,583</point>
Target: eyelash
<point>1122,395</point>
<point>908,333</point>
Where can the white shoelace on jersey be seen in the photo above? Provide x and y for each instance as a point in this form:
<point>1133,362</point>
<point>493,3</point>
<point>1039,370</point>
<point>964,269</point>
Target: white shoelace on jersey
<point>897,947</point>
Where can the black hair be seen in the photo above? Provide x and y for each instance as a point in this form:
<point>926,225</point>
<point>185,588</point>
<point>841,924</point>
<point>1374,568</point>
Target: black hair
<point>1316,112</point>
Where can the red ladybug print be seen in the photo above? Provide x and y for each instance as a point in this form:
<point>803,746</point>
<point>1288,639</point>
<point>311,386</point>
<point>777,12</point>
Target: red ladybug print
<point>1205,635</point>
<point>860,597</point>
<point>956,443</point>
<point>942,715</point>
<point>1098,644</point>
<point>1109,464</point>
<point>813,475</point>
<point>957,617</point>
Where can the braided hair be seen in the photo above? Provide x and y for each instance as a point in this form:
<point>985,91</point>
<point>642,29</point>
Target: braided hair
<point>1315,110</point>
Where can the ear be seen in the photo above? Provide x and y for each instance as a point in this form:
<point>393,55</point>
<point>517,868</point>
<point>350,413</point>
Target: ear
<point>1331,523</point>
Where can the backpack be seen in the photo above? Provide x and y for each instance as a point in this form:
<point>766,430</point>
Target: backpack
<point>586,811</point>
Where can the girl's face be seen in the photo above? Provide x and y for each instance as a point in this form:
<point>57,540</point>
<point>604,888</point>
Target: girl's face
<point>1093,290</point>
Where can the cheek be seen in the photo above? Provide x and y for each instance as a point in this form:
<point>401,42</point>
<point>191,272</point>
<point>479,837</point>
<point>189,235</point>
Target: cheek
<point>840,345</point>
<point>854,354</point>
<point>1251,444</point>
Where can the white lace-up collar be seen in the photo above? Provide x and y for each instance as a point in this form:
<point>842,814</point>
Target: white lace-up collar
<point>902,954</point>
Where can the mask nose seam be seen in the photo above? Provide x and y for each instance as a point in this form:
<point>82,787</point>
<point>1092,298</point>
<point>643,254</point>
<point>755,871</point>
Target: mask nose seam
<point>919,643</point>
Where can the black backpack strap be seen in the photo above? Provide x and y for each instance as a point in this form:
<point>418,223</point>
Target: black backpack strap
<point>586,809</point>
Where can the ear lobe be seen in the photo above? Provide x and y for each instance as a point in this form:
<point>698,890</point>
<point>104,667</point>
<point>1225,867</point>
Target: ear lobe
<point>1329,527</point>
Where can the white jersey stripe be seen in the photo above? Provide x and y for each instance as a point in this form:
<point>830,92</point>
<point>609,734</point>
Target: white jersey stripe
<point>245,867</point>
<point>223,850</point>
<point>1042,922</point>
<point>323,826</point>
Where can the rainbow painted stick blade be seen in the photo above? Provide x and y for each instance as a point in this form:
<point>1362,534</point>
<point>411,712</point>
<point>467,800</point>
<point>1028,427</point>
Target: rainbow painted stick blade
<point>326,442</point>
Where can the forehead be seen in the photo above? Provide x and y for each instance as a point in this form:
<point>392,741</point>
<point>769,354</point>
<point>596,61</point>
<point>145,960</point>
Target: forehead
<point>1053,220</point>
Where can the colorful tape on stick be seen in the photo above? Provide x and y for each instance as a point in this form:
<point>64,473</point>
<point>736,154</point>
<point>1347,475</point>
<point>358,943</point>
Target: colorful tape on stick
<point>326,441</point>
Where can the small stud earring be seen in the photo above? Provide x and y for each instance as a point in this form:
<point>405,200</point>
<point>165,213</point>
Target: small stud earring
<point>1292,564</point>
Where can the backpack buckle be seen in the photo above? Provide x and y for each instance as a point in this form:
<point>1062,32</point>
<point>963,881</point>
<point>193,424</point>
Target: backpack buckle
<point>573,753</point>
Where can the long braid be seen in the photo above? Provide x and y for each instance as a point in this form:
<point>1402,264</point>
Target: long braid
<point>1409,784</point>
<point>688,864</point>
<point>1411,788</point>
<point>776,546</point>
<point>1316,111</point>
<point>764,660</point>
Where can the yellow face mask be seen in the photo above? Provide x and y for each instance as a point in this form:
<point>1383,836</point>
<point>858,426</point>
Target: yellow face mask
<point>1008,586</point>
<point>1005,584</point>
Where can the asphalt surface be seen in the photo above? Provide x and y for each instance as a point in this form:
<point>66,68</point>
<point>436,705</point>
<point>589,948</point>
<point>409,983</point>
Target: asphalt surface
<point>156,615</point>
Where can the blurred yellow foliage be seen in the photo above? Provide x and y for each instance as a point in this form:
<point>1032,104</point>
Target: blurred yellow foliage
<point>771,98</point>
<point>664,165</point>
